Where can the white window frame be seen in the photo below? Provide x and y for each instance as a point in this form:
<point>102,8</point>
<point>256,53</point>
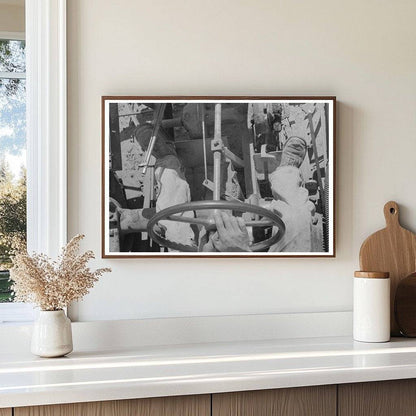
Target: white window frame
<point>46,127</point>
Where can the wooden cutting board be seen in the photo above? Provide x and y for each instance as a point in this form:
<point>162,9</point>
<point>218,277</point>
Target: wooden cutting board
<point>405,306</point>
<point>393,250</point>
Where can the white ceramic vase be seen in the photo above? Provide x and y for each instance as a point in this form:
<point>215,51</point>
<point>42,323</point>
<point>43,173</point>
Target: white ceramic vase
<point>52,334</point>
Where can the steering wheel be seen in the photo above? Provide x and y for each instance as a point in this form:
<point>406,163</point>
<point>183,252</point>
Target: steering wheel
<point>268,219</point>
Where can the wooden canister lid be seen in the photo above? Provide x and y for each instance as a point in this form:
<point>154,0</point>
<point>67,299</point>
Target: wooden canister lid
<point>372,275</point>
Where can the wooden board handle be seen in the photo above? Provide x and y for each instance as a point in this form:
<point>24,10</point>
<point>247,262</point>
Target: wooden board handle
<point>391,214</point>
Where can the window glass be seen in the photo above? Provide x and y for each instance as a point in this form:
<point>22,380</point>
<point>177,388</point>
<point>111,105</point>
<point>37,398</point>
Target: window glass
<point>12,56</point>
<point>12,156</point>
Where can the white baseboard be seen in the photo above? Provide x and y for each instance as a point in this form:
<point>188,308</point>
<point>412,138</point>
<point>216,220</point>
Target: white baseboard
<point>102,335</point>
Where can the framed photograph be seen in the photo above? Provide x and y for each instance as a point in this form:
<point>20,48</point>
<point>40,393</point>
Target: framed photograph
<point>218,177</point>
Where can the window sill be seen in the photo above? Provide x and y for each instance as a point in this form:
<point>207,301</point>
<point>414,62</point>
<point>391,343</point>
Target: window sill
<point>16,313</point>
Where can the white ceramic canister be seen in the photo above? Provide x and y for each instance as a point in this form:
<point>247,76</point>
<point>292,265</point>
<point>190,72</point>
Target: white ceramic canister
<point>371,313</point>
<point>52,334</point>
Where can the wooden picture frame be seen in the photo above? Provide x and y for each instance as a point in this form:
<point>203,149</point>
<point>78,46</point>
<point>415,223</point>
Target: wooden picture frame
<point>264,164</point>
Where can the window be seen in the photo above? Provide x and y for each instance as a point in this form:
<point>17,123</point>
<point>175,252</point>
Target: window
<point>12,154</point>
<point>45,89</point>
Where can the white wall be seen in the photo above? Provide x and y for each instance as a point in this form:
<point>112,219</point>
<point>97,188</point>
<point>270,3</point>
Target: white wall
<point>361,51</point>
<point>12,17</point>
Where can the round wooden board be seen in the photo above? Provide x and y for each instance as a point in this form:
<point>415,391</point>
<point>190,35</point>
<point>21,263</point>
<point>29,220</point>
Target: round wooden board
<point>405,306</point>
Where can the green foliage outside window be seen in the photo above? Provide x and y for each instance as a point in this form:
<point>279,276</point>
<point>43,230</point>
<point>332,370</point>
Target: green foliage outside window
<point>12,223</point>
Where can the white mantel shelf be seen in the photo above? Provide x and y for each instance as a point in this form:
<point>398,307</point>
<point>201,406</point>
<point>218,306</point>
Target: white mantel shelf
<point>151,371</point>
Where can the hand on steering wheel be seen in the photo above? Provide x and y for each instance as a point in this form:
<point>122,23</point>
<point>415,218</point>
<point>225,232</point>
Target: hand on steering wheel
<point>231,234</point>
<point>267,219</point>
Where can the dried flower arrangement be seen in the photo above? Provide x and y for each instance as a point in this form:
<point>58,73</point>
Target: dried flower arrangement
<point>53,285</point>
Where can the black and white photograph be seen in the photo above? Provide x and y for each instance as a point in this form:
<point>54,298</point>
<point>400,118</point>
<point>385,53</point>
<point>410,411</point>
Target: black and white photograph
<point>218,176</point>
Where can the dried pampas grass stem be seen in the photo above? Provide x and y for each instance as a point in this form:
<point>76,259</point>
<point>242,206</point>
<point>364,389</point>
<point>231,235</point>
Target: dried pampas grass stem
<point>53,285</point>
